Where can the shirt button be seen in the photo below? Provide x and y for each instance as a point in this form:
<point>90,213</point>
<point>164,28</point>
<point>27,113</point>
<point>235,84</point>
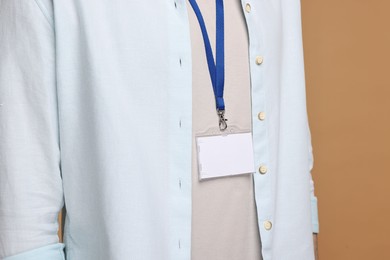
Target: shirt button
<point>247,7</point>
<point>267,225</point>
<point>259,60</point>
<point>262,169</point>
<point>261,115</point>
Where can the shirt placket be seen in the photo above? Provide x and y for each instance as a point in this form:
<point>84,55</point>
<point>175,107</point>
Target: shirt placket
<point>263,175</point>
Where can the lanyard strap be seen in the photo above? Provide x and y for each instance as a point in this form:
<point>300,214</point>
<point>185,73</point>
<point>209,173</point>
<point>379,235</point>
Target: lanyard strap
<point>216,69</point>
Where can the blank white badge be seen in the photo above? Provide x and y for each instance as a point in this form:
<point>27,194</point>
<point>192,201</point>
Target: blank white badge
<point>225,155</point>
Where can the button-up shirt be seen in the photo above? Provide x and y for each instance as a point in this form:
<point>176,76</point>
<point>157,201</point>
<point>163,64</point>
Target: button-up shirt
<point>96,114</point>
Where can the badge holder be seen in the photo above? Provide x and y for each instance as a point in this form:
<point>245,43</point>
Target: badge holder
<point>224,153</point>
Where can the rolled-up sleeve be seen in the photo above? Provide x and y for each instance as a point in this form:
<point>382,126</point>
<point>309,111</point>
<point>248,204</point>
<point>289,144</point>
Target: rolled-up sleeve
<point>31,193</point>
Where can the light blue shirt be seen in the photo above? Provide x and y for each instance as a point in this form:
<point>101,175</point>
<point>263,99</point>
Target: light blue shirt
<point>96,113</point>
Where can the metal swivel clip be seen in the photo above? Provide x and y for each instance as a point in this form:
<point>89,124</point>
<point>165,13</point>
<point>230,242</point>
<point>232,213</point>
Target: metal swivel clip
<point>222,119</point>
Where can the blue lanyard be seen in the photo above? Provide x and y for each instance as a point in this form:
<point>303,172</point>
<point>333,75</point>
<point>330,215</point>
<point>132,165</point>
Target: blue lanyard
<point>216,70</point>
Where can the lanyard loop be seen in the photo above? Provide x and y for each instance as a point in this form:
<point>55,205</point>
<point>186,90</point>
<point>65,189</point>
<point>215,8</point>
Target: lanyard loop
<point>216,69</point>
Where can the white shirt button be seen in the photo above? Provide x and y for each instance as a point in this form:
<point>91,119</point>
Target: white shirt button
<point>247,7</point>
<point>267,225</point>
<point>262,169</point>
<point>261,115</point>
<point>259,60</point>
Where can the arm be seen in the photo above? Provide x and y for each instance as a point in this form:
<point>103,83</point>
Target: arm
<point>315,241</point>
<point>31,194</point>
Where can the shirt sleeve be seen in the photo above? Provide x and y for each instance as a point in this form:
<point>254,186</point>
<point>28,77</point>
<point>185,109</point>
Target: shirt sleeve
<point>293,23</point>
<point>313,198</point>
<point>31,193</point>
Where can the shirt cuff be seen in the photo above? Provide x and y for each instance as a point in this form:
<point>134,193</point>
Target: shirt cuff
<point>314,215</point>
<point>49,252</point>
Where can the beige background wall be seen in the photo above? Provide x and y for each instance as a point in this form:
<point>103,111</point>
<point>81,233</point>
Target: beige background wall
<point>347,62</point>
<point>347,59</point>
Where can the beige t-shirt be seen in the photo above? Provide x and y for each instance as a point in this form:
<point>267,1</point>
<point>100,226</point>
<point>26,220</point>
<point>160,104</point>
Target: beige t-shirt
<point>224,219</point>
